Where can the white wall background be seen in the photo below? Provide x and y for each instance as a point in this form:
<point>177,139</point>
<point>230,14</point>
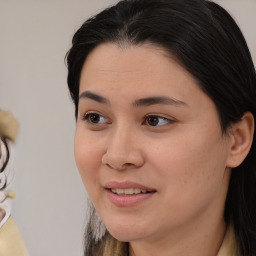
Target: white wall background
<point>34,38</point>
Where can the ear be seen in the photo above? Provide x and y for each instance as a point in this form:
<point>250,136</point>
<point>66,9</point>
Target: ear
<point>241,137</point>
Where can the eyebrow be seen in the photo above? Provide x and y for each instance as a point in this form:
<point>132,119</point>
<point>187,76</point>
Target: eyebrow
<point>148,101</point>
<point>160,100</point>
<point>93,96</point>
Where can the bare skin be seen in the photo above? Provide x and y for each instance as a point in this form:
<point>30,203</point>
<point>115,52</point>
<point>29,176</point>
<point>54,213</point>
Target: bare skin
<point>142,119</point>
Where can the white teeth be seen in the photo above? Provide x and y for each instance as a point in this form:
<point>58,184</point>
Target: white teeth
<point>127,191</point>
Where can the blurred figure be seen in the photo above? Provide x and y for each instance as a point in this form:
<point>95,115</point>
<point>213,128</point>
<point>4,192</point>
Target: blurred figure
<point>11,243</point>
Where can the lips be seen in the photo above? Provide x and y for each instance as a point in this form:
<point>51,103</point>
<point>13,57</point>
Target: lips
<point>124,194</point>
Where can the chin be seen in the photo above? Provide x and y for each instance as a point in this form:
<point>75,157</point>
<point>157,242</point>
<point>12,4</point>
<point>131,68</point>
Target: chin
<point>126,233</point>
<point>124,236</point>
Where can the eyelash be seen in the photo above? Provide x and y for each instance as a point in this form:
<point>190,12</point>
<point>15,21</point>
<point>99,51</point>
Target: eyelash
<point>154,118</point>
<point>157,118</point>
<point>87,117</point>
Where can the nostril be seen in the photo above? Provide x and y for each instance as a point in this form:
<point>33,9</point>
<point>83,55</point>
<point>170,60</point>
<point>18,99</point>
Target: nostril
<point>108,165</point>
<point>119,167</point>
<point>121,161</point>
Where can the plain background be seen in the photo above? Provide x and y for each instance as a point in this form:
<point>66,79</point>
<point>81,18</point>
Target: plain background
<point>34,37</point>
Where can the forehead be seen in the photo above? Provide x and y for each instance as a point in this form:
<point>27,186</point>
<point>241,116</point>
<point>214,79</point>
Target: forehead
<point>110,57</point>
<point>134,67</point>
<point>123,76</point>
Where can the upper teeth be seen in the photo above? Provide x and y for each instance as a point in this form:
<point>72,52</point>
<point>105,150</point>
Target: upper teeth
<point>127,191</point>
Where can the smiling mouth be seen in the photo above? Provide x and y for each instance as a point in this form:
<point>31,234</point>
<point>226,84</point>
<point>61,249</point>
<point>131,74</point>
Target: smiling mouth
<point>129,191</point>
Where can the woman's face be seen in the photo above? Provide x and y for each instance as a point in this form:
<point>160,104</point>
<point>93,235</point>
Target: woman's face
<point>148,144</point>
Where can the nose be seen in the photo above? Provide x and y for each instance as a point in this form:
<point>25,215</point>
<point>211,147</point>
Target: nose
<point>123,150</point>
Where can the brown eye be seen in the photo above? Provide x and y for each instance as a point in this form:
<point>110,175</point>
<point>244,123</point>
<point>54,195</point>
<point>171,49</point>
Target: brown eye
<point>154,120</point>
<point>95,118</point>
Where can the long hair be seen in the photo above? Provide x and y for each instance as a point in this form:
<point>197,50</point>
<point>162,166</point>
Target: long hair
<point>207,42</point>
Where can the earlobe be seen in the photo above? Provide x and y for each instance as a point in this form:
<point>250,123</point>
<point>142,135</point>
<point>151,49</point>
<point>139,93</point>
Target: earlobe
<point>241,140</point>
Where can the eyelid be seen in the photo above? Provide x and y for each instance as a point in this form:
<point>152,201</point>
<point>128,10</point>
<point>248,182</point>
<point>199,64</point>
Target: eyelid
<point>86,116</point>
<point>89,112</point>
<point>168,120</point>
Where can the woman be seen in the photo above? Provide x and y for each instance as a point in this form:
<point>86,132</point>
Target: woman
<point>165,101</point>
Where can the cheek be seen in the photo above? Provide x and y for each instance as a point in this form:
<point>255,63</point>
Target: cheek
<point>190,168</point>
<point>88,158</point>
<point>194,153</point>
